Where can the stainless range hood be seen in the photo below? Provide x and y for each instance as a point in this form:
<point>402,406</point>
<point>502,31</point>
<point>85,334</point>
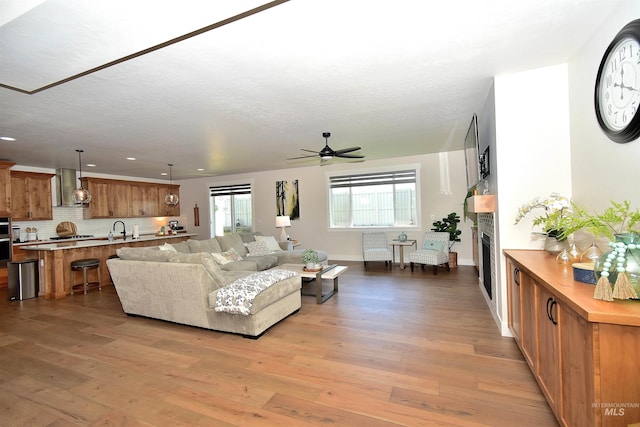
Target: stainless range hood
<point>66,182</point>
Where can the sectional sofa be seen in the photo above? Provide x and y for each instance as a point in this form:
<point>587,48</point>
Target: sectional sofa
<point>185,283</point>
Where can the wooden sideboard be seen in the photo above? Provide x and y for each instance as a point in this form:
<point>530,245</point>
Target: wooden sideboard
<point>55,259</point>
<point>584,353</point>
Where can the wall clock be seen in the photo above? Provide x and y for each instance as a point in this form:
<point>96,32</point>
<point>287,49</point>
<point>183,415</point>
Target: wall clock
<point>617,92</point>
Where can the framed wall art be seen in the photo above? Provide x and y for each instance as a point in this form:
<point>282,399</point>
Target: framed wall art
<point>287,203</point>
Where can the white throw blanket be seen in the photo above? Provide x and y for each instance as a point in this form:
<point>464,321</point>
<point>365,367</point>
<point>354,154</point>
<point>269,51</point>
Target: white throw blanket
<point>237,297</point>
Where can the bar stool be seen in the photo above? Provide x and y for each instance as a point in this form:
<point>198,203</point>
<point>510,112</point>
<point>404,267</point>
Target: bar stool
<point>85,265</point>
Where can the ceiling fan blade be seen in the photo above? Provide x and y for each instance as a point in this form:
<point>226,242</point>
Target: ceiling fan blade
<point>346,150</point>
<point>350,156</point>
<point>303,157</point>
<point>310,151</point>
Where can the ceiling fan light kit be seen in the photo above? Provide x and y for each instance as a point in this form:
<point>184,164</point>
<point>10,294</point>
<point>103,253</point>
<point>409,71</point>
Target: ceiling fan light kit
<point>327,153</point>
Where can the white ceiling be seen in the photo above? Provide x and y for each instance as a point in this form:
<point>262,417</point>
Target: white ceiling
<point>397,78</point>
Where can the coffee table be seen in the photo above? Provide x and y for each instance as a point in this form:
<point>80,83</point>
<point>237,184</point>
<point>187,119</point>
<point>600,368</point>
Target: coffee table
<point>329,272</point>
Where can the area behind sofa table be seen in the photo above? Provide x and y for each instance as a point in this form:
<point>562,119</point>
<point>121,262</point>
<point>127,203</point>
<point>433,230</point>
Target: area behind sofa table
<point>329,272</point>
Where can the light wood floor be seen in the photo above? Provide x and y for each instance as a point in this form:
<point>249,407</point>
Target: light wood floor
<point>392,348</point>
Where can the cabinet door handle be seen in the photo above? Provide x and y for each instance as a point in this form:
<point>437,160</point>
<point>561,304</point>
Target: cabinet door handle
<point>516,276</point>
<point>550,304</point>
<point>551,317</point>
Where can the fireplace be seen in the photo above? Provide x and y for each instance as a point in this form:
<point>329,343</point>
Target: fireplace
<point>486,264</point>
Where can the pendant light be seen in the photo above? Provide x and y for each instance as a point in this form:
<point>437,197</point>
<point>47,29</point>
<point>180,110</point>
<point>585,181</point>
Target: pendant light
<point>171,199</point>
<point>80,195</point>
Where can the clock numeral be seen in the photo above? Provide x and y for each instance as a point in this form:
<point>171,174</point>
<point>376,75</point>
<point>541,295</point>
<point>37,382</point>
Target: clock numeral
<point>622,53</point>
<point>608,82</point>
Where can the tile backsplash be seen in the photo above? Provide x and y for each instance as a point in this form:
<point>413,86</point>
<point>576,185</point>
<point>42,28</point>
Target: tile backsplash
<point>96,227</point>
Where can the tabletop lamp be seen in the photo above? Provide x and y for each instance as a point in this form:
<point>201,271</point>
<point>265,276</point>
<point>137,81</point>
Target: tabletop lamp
<point>282,222</point>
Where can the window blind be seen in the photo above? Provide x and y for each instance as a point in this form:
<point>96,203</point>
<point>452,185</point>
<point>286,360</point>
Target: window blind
<point>378,178</point>
<point>229,190</point>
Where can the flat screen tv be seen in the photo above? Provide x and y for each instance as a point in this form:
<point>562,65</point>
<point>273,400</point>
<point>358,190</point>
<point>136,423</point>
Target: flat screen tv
<point>471,149</point>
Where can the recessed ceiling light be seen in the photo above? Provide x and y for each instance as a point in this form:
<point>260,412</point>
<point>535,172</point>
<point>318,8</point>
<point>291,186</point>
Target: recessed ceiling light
<point>200,169</point>
<point>164,174</point>
<point>131,158</point>
<point>7,138</point>
<point>91,165</point>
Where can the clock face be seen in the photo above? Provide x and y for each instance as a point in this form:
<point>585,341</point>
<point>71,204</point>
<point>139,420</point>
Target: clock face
<point>619,91</point>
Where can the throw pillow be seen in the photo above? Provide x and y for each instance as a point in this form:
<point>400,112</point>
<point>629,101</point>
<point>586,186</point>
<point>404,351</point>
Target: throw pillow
<point>226,257</point>
<point>433,245</point>
<point>258,248</point>
<point>167,247</point>
<point>271,242</point>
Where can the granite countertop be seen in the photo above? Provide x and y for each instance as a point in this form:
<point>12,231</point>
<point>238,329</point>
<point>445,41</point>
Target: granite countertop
<point>95,241</point>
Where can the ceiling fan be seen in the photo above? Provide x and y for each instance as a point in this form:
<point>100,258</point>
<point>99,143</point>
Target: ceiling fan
<point>328,153</point>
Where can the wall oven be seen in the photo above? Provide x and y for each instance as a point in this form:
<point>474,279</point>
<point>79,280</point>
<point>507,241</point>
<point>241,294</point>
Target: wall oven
<point>5,241</point>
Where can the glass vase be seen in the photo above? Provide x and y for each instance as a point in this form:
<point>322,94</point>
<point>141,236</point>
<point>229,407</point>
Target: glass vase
<point>555,246</point>
<point>630,259</point>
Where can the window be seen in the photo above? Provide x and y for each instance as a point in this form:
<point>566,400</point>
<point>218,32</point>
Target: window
<point>377,199</point>
<point>230,209</point>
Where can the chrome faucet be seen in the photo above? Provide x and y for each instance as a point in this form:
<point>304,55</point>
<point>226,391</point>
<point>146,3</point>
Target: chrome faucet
<point>124,229</point>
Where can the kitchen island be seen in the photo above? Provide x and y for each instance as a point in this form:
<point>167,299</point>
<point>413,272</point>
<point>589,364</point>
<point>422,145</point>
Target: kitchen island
<point>54,259</point>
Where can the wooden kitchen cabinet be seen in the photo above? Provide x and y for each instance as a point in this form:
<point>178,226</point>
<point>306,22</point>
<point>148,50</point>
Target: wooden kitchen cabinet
<point>109,198</point>
<point>31,196</point>
<point>112,198</point>
<point>582,351</point>
<point>5,187</point>
<point>163,209</point>
<point>144,199</point>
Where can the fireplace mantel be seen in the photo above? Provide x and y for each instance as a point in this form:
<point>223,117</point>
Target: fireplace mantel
<point>482,203</point>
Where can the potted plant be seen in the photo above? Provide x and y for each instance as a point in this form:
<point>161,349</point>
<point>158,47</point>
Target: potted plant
<point>554,220</point>
<point>617,219</point>
<point>449,224</point>
<point>310,259</point>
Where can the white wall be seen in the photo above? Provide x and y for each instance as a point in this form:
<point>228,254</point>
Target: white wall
<point>312,227</point>
<point>602,169</point>
<point>533,154</point>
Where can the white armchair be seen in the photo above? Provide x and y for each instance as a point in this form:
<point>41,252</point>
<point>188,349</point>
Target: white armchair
<point>376,248</point>
<point>434,251</point>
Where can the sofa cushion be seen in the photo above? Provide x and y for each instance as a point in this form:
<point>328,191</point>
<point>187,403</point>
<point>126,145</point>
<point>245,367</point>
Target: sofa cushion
<point>252,263</point>
<point>143,254</point>
<point>208,245</point>
<point>207,261</point>
<point>258,248</point>
<point>226,257</point>
<point>182,247</point>
<point>151,254</point>
<point>232,241</point>
<point>285,286</point>
<point>295,257</point>
<point>167,247</point>
<point>271,242</point>
<point>247,237</point>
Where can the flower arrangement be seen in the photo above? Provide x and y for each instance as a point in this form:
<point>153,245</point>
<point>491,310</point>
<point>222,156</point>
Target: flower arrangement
<point>557,210</point>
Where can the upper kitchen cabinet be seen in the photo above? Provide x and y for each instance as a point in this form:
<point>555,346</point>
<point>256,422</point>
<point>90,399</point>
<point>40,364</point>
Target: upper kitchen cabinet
<point>31,196</point>
<point>163,209</point>
<point>144,199</point>
<point>5,187</point>
<point>109,198</point>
